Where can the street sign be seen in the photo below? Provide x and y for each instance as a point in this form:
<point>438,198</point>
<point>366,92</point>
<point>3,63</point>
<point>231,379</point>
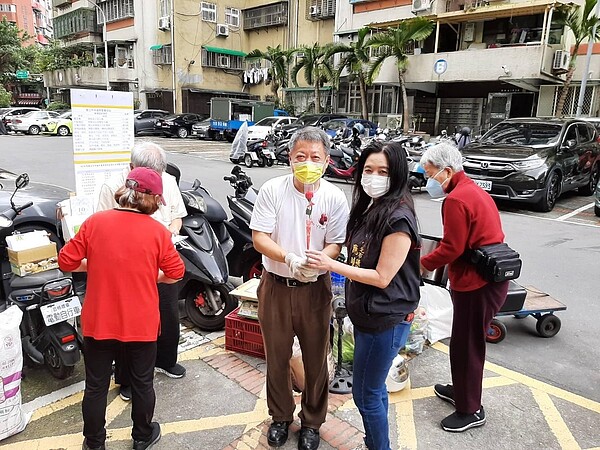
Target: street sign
<point>440,66</point>
<point>22,74</point>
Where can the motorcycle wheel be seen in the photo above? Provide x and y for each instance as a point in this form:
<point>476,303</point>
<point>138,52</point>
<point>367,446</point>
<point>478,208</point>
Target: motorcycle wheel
<point>55,365</point>
<point>269,162</point>
<point>248,161</point>
<point>261,161</point>
<point>251,265</point>
<point>199,312</point>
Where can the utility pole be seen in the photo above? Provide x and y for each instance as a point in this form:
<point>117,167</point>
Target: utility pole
<point>104,38</point>
<point>174,79</point>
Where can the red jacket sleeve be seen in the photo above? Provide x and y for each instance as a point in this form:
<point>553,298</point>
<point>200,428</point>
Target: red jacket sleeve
<point>74,251</point>
<point>171,263</point>
<point>456,232</point>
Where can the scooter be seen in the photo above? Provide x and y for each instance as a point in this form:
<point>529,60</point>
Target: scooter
<point>204,244</point>
<point>260,152</point>
<point>244,260</point>
<point>49,333</point>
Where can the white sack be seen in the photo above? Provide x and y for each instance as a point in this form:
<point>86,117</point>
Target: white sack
<point>438,305</point>
<point>12,418</point>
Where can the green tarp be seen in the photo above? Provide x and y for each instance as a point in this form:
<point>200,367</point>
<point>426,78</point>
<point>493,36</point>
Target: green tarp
<point>224,51</point>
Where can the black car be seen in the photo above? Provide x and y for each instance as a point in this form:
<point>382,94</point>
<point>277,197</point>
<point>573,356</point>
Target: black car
<point>179,125</point>
<point>144,120</point>
<point>314,120</point>
<point>534,160</point>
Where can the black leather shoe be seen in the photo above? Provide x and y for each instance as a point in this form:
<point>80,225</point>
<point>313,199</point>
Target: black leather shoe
<point>278,433</point>
<point>308,439</point>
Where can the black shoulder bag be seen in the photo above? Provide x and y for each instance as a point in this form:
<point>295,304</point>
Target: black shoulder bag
<point>497,262</point>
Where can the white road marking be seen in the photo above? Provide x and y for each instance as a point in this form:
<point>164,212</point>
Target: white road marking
<point>52,397</point>
<point>574,213</point>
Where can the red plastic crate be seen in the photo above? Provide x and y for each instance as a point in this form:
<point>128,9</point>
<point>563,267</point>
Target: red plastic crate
<point>243,335</point>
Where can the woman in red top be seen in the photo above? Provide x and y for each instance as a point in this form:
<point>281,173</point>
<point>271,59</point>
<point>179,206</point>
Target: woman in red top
<point>471,220</point>
<point>125,253</point>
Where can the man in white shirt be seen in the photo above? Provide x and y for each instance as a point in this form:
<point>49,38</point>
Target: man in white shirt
<point>293,213</point>
<point>154,157</point>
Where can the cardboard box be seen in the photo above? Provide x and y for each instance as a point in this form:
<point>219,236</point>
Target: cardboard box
<point>33,260</point>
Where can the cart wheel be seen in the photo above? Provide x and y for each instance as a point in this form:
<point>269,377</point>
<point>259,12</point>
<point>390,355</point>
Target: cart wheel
<point>548,325</point>
<point>496,332</point>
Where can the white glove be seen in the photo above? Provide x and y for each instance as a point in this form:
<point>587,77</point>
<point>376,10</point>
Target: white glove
<point>299,269</point>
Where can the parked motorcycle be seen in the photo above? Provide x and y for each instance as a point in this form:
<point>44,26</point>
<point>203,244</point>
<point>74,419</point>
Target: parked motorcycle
<point>260,152</point>
<point>244,260</point>
<point>204,245</point>
<point>49,333</point>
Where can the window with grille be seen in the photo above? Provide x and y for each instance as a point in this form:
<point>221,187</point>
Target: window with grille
<point>8,8</point>
<point>232,17</point>
<point>266,16</point>
<point>164,8</point>
<point>222,60</point>
<point>115,10</point>
<point>208,12</point>
<point>162,56</point>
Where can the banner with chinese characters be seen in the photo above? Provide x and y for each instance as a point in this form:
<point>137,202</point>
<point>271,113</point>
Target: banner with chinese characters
<point>102,136</point>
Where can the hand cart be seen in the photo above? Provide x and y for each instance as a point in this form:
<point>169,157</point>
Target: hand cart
<point>520,301</point>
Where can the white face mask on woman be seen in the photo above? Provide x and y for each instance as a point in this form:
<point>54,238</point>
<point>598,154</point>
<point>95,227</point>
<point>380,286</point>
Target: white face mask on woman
<point>375,185</point>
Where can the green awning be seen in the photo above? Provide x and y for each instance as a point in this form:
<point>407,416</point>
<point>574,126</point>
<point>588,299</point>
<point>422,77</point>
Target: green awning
<point>156,47</point>
<point>224,51</point>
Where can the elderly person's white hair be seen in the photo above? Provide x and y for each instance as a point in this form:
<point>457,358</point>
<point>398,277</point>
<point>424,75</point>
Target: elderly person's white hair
<point>443,155</point>
<point>150,155</point>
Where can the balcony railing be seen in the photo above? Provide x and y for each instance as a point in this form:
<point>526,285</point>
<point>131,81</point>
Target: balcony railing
<point>78,22</point>
<point>266,16</point>
<point>61,3</point>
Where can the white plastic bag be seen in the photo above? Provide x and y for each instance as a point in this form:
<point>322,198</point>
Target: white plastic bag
<point>438,304</point>
<point>12,418</point>
<point>238,147</point>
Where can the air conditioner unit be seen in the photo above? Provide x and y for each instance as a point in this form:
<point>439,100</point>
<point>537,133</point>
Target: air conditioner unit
<point>394,121</point>
<point>561,60</point>
<point>164,23</point>
<point>420,5</point>
<point>314,11</point>
<point>223,61</point>
<point>222,30</point>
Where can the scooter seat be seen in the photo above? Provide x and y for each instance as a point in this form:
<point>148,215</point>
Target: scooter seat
<point>335,151</point>
<point>35,280</point>
<point>214,210</point>
<point>347,150</point>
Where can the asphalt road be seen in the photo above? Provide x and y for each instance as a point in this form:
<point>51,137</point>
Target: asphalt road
<point>559,249</point>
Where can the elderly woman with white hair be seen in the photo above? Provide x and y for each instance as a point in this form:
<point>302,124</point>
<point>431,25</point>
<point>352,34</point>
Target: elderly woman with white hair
<point>471,220</point>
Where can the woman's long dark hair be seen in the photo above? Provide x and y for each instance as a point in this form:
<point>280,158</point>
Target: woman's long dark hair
<point>376,221</point>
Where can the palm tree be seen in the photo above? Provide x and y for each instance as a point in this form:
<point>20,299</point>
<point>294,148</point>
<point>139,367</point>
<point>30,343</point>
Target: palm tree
<point>393,43</point>
<point>355,60</point>
<point>278,72</point>
<point>581,22</point>
<point>317,67</point>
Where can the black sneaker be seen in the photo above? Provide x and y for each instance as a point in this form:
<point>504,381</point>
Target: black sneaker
<point>445,392</point>
<point>85,446</point>
<point>154,438</point>
<point>177,371</point>
<point>458,422</point>
<point>125,393</point>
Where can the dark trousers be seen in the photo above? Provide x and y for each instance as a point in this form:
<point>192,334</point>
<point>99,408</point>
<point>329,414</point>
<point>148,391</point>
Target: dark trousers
<point>168,340</point>
<point>473,313</point>
<point>98,357</point>
<point>305,312</point>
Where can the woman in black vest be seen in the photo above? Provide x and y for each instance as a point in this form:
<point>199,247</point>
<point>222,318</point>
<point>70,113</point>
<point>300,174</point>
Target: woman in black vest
<point>383,278</point>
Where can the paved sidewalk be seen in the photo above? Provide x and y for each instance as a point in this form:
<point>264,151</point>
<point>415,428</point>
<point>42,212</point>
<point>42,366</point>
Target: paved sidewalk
<point>221,404</point>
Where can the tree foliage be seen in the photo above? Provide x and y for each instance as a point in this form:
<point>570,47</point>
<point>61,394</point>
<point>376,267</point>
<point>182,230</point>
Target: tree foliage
<point>393,43</point>
<point>12,55</point>
<point>278,72</point>
<point>5,97</point>
<point>317,67</point>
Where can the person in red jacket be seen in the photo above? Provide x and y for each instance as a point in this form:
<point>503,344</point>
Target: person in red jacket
<point>471,220</point>
<point>125,253</point>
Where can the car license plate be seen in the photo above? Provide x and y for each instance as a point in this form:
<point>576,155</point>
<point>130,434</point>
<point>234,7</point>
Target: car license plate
<point>269,154</point>
<point>61,310</point>
<point>194,133</point>
<point>484,184</point>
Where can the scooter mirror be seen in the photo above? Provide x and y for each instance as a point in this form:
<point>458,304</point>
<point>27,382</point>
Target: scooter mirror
<point>22,181</point>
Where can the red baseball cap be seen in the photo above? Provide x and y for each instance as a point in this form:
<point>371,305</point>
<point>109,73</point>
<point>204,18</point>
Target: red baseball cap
<point>146,181</point>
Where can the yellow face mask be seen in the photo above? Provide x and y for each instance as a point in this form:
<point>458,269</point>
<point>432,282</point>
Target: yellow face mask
<point>308,172</point>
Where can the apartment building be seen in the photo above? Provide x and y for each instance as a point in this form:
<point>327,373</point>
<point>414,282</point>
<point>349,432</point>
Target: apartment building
<point>31,16</point>
<point>178,54</point>
<point>485,61</point>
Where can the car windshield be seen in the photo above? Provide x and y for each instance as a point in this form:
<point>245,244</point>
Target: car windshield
<point>512,133</point>
<point>30,114</point>
<point>170,117</point>
<point>65,115</point>
<point>335,124</point>
<point>266,122</point>
<point>308,120</point>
